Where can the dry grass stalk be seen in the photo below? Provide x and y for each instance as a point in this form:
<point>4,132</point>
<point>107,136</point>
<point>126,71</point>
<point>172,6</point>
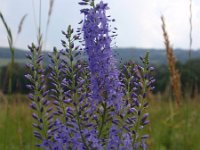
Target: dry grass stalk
<point>190,34</point>
<point>174,74</point>
<point>51,3</point>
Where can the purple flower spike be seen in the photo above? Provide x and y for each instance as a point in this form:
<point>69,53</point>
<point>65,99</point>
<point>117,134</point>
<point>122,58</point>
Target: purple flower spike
<point>105,84</point>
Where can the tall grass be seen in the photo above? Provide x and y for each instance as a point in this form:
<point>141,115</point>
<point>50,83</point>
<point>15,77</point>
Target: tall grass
<point>11,46</point>
<point>12,51</point>
<point>42,37</point>
<point>174,74</point>
<point>181,133</point>
<point>10,72</point>
<point>15,119</point>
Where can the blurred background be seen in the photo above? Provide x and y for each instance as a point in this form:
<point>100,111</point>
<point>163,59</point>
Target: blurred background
<point>173,43</point>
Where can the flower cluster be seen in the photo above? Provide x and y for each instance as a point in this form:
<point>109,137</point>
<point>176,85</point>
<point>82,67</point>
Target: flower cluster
<point>89,105</point>
<point>138,81</point>
<point>43,118</point>
<point>105,84</point>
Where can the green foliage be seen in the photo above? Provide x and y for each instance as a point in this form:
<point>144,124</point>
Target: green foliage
<point>18,79</point>
<point>190,72</point>
<point>162,78</point>
<point>190,77</point>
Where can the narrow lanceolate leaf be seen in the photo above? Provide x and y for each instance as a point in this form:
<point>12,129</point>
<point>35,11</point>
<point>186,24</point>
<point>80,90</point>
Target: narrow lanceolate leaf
<point>7,28</point>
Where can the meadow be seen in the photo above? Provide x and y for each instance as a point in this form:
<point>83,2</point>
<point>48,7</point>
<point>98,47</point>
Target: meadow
<point>89,104</point>
<point>171,128</point>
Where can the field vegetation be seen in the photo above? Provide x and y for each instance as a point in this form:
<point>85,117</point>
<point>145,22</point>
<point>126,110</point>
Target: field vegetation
<point>174,104</point>
<point>170,128</point>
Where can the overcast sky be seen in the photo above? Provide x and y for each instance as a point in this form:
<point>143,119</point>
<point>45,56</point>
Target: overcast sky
<point>138,21</point>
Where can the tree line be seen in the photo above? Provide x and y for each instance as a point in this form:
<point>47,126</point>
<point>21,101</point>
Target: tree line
<point>189,71</point>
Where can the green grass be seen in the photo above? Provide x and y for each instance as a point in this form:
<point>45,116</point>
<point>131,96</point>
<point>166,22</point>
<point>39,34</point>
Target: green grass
<point>169,130</point>
<point>15,126</point>
<point>175,130</point>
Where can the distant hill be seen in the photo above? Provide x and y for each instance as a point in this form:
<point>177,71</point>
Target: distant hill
<point>20,56</point>
<point>157,56</point>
